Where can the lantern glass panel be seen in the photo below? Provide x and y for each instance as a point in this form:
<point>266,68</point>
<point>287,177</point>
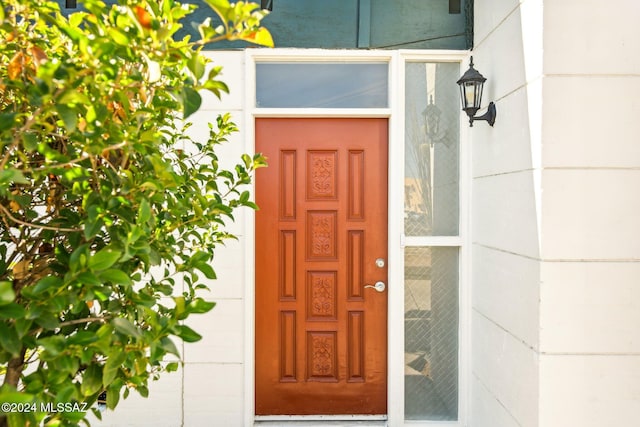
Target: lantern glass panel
<point>478,95</point>
<point>469,94</point>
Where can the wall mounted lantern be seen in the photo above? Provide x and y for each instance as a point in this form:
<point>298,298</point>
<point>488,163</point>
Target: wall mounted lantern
<point>471,84</point>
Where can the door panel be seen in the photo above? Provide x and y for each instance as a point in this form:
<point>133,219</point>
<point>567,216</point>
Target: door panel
<point>321,336</point>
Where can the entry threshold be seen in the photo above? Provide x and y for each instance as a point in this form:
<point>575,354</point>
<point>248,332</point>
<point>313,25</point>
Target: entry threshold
<point>321,420</point>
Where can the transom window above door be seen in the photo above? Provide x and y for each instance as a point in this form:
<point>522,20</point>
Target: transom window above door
<point>322,85</point>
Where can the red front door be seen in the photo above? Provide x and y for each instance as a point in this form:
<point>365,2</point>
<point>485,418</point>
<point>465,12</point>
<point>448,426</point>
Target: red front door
<point>321,336</point>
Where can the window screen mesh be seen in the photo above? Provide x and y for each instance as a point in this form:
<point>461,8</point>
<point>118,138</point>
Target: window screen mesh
<point>431,333</point>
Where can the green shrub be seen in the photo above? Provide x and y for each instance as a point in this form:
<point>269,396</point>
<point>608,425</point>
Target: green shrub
<point>107,223</point>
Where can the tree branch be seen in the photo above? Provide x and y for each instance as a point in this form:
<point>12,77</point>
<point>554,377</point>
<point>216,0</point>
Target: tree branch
<point>84,320</point>
<point>74,322</point>
<point>30,224</point>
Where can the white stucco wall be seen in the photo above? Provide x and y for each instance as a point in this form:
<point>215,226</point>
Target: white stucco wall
<point>556,255</point>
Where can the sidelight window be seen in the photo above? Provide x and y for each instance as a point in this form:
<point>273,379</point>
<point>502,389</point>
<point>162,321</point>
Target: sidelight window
<point>431,254</point>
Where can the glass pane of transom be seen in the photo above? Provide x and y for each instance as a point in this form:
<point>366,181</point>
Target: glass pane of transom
<point>431,333</point>
<point>322,85</point>
<point>432,149</point>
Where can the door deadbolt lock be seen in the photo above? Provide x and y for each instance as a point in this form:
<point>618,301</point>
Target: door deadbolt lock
<point>380,262</point>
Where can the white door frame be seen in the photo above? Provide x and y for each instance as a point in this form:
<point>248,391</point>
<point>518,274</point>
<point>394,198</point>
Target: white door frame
<point>395,115</point>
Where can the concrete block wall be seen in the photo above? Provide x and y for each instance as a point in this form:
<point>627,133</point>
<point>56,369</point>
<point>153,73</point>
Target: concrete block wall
<point>556,254</point>
<point>209,389</point>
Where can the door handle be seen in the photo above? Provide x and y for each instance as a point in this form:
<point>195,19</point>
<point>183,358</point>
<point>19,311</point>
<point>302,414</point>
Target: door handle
<point>379,286</point>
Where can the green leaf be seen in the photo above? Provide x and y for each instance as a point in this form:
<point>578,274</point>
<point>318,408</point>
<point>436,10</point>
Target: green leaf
<point>54,345</point>
<point>91,114</point>
<point>12,311</point>
<point>68,116</point>
<point>261,36</point>
<point>200,256</point>
<point>118,36</point>
<point>20,418</point>
<point>74,416</point>
<point>167,345</point>
<point>219,5</point>
<point>200,306</point>
<point>197,65</point>
<point>216,87</point>
<point>65,394</point>
<point>47,283</point>
<point>113,397</point>
<point>65,363</point>
<point>30,141</point>
<point>22,326</point>
<point>206,269</point>
<point>180,308</point>
<point>144,212</point>
<point>76,18</point>
<point>7,295</point>
<point>172,367</point>
<point>191,101</point>
<point>88,278</point>
<point>91,380</point>
<point>104,259</point>
<point>78,258</point>
<point>92,227</point>
<point>112,367</point>
<point>143,391</point>
<point>117,277</point>
<point>9,340</point>
<point>10,175</point>
<point>124,326</point>
<point>72,97</point>
<point>7,120</point>
<point>187,334</point>
<point>82,338</point>
<point>205,29</point>
<point>15,397</point>
<point>47,321</point>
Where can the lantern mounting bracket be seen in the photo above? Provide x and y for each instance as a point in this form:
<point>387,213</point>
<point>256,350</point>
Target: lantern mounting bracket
<point>489,116</point>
